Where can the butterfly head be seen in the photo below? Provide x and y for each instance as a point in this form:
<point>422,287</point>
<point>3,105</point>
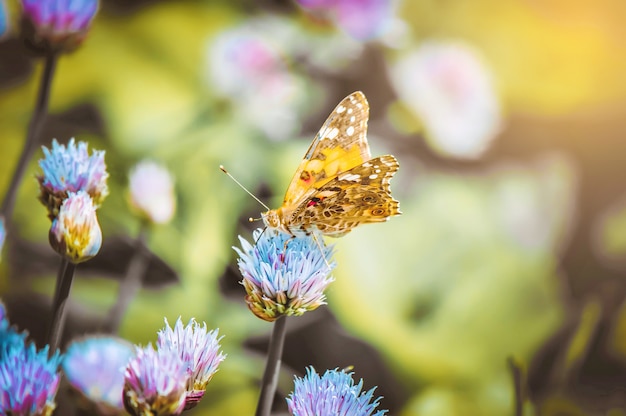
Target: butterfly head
<point>271,218</point>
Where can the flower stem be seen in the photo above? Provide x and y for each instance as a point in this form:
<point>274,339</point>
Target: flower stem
<point>272,367</point>
<point>131,283</point>
<point>32,136</point>
<point>518,388</point>
<point>61,294</point>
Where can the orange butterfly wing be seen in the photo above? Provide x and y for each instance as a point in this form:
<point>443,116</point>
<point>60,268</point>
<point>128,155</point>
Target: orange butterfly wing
<point>340,145</point>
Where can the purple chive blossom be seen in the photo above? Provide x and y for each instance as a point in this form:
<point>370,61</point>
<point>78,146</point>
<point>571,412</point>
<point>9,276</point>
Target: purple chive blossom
<point>361,19</point>
<point>284,281</point>
<point>333,394</point>
<point>4,18</point>
<point>151,189</point>
<point>199,350</point>
<point>95,368</point>
<point>71,169</point>
<point>155,383</point>
<point>75,233</point>
<point>28,382</point>
<point>57,25</point>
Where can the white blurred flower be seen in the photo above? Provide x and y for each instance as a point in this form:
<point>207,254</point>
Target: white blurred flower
<point>152,192</point>
<point>451,91</point>
<point>247,65</point>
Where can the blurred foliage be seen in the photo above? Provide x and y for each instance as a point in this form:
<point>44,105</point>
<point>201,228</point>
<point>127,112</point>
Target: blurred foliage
<point>474,271</point>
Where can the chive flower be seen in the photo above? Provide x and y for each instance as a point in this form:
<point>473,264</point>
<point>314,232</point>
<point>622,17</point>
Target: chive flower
<point>57,25</point>
<point>29,381</point>
<point>200,351</point>
<point>155,383</point>
<point>332,394</point>
<point>68,169</point>
<point>94,367</point>
<point>151,192</point>
<point>284,275</point>
<point>361,19</point>
<point>75,233</point>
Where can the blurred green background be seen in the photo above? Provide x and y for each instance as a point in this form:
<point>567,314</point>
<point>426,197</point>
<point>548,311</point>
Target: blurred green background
<point>516,249</point>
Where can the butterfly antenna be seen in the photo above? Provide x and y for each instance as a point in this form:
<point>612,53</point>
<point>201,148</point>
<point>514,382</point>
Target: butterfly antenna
<point>223,169</point>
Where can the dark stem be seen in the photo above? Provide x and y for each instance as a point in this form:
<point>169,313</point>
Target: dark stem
<point>272,367</point>
<point>32,136</point>
<point>61,294</point>
<point>518,386</point>
<point>131,283</point>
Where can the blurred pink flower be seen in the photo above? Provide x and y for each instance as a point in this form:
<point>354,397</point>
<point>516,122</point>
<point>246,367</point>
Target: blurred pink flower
<point>361,19</point>
<point>247,64</point>
<point>451,91</point>
<point>151,192</point>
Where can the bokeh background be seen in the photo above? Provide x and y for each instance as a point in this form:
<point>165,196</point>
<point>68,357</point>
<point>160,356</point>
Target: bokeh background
<point>506,117</point>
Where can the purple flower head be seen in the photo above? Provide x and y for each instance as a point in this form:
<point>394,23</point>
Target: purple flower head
<point>4,18</point>
<point>152,192</point>
<point>71,169</point>
<point>283,280</point>
<point>75,233</point>
<point>333,394</point>
<point>95,367</point>
<point>28,381</point>
<point>57,25</point>
<point>199,350</point>
<point>155,383</point>
<point>361,19</point>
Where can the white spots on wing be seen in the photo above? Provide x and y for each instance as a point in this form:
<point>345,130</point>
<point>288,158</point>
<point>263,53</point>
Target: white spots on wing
<point>340,109</point>
<point>352,119</point>
<point>373,176</point>
<point>351,177</point>
<point>350,131</point>
<point>377,171</point>
<point>332,133</point>
<point>350,111</point>
<point>366,165</point>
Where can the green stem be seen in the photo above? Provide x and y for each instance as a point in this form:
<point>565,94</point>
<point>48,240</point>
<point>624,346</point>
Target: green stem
<point>61,295</point>
<point>518,386</point>
<point>272,367</point>
<point>131,283</point>
<point>32,136</point>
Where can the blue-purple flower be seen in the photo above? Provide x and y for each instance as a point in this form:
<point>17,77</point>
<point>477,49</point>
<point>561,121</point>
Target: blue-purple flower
<point>4,19</point>
<point>9,336</point>
<point>332,394</point>
<point>28,381</point>
<point>57,25</point>
<point>284,275</point>
<point>155,383</point>
<point>151,192</point>
<point>71,169</point>
<point>361,19</point>
<point>75,233</point>
<point>94,367</point>
<point>3,234</point>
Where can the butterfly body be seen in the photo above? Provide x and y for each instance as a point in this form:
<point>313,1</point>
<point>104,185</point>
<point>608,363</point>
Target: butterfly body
<point>338,185</point>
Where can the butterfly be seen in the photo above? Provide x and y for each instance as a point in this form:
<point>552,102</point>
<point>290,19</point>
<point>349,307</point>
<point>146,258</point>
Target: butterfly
<point>338,185</point>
